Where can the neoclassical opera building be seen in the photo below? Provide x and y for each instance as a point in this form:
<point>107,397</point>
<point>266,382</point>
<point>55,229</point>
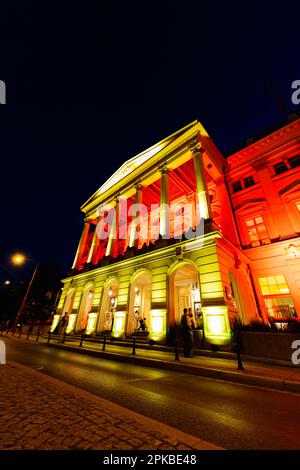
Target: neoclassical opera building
<point>180,225</point>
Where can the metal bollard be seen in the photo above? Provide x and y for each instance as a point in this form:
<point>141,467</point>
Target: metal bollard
<point>104,343</point>
<point>37,334</point>
<point>20,332</point>
<point>28,333</point>
<point>133,346</point>
<point>81,341</point>
<point>239,361</point>
<point>49,336</point>
<point>176,350</point>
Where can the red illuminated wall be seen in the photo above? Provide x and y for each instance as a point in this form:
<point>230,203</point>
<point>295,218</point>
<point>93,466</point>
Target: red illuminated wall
<point>264,185</point>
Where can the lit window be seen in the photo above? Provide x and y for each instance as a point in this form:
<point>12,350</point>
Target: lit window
<point>274,285</point>
<point>280,168</point>
<point>277,301</point>
<point>298,206</point>
<point>257,231</point>
<point>249,181</point>
<point>294,161</point>
<point>237,186</point>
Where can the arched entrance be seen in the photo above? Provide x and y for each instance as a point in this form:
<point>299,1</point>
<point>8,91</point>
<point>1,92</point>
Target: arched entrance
<point>108,305</point>
<point>69,301</point>
<point>85,306</point>
<point>184,292</point>
<point>68,307</point>
<point>139,303</point>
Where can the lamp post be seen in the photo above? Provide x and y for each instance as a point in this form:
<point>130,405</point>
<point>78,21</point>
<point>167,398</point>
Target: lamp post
<point>18,260</point>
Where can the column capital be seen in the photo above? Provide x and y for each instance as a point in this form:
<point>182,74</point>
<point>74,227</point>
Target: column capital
<point>196,148</point>
<point>139,186</point>
<point>164,169</point>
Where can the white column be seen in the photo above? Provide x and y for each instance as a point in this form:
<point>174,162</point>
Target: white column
<point>201,188</point>
<point>81,244</point>
<point>114,232</point>
<point>134,236</point>
<point>164,222</point>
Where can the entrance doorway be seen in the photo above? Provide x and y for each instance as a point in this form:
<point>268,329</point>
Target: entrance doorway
<point>184,292</point>
<point>108,305</point>
<point>69,302</point>
<point>85,307</point>
<point>140,304</point>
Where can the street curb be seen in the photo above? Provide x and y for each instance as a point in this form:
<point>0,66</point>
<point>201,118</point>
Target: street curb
<point>243,378</point>
<point>174,433</point>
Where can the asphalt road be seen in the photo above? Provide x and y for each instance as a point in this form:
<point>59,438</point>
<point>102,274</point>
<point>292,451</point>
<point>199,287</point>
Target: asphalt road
<point>229,415</point>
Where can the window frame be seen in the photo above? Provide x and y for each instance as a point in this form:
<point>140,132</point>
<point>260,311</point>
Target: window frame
<point>254,226</point>
<point>283,163</point>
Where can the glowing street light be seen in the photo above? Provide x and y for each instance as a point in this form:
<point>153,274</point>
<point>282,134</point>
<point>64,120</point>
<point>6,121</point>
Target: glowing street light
<point>7,282</point>
<point>18,259</point>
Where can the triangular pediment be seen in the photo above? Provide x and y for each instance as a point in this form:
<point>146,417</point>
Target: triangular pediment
<point>130,165</point>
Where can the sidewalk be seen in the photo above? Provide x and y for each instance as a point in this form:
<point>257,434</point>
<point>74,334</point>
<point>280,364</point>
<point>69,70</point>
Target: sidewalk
<point>255,374</point>
<point>39,412</point>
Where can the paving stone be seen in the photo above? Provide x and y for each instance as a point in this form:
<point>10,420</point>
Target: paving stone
<point>37,413</point>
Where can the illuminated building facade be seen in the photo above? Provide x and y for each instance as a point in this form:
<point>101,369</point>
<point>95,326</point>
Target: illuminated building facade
<point>181,226</point>
<point>264,184</point>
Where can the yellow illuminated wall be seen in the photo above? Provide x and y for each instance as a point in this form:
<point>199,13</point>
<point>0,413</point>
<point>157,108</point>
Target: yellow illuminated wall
<point>158,263</point>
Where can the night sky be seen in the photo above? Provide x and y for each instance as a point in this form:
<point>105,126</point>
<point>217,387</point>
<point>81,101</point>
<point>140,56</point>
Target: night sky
<point>89,86</point>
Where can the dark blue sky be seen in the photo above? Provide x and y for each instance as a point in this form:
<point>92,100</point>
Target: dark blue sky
<point>90,86</point>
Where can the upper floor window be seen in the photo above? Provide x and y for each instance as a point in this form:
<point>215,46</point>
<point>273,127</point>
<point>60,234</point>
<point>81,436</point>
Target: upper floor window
<point>237,186</point>
<point>294,161</point>
<point>249,181</point>
<point>280,168</point>
<point>257,231</point>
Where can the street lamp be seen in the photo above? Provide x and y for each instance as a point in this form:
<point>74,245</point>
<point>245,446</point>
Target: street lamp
<point>7,282</point>
<point>19,259</point>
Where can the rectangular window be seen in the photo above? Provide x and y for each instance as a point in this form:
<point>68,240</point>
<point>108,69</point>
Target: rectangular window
<point>276,297</point>
<point>274,285</point>
<point>249,181</point>
<point>294,161</point>
<point>237,186</point>
<point>280,307</point>
<point>280,168</point>
<point>257,231</point>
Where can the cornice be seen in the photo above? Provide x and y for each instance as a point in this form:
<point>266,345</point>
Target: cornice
<point>255,150</point>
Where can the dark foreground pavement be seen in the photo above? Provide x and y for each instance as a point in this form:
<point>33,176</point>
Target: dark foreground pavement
<point>42,413</point>
<point>230,415</point>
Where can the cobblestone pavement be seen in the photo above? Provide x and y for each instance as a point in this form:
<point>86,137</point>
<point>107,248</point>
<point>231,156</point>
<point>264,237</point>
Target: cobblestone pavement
<point>42,413</point>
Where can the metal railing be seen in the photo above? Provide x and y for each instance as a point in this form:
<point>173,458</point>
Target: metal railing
<point>83,338</point>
